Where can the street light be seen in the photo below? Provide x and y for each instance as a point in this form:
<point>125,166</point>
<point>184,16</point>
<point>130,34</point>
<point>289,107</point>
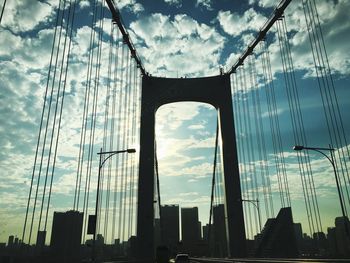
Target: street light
<point>331,160</point>
<point>101,163</point>
<point>256,204</point>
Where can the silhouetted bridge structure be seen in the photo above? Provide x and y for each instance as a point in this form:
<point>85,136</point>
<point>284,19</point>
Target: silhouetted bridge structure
<point>120,100</point>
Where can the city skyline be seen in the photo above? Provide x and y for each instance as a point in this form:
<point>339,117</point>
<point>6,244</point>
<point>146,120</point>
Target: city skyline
<point>212,36</point>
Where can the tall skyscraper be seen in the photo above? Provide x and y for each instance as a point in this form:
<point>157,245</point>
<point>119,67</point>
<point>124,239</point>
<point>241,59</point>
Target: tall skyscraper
<point>205,232</point>
<point>190,225</point>
<point>66,235</point>
<point>219,231</point>
<point>170,228</point>
<point>343,243</point>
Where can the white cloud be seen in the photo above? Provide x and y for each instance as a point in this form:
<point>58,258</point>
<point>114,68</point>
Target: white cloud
<point>26,15</point>
<point>84,3</point>
<point>174,114</point>
<point>196,127</point>
<point>132,5</point>
<point>265,3</point>
<point>335,27</point>
<point>174,2</point>
<point>235,24</point>
<point>204,3</point>
<point>178,47</point>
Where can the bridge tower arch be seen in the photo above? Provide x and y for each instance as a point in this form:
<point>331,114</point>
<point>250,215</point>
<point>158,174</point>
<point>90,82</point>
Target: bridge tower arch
<point>212,90</point>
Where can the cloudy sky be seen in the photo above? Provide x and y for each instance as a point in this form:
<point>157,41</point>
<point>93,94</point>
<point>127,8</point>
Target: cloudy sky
<point>174,38</point>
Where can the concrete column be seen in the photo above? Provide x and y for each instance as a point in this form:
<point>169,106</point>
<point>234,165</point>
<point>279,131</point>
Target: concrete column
<point>233,206</point>
<point>145,213</point>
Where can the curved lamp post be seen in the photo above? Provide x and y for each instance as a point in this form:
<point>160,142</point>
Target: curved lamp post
<point>254,202</point>
<point>331,160</point>
<point>101,163</point>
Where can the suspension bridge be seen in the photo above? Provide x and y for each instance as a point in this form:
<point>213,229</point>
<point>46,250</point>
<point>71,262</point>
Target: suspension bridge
<point>115,201</point>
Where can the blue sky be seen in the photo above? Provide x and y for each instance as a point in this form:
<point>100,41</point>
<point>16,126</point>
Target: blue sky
<point>174,38</point>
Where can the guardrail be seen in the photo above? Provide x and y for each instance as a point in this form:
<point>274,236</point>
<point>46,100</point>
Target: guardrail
<point>276,260</point>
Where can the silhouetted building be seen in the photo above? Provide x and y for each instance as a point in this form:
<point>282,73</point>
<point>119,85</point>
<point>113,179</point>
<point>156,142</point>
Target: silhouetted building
<point>66,235</point>
<point>342,238</point>
<point>332,241</point>
<point>132,248</point>
<point>40,241</point>
<point>298,231</point>
<point>200,230</point>
<point>157,239</point>
<point>320,242</point>
<point>10,241</point>
<point>189,229</point>
<point>219,231</point>
<point>117,248</point>
<point>189,224</point>
<point>170,228</point>
<point>99,248</point>
<point>16,241</point>
<point>278,237</point>
<point>205,232</point>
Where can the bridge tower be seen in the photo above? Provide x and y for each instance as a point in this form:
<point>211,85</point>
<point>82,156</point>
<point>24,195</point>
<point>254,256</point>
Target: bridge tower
<point>212,90</point>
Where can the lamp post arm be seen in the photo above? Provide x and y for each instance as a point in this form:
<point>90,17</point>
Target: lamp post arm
<point>109,156</point>
<point>103,162</point>
<point>256,204</point>
<point>325,155</point>
<point>251,201</point>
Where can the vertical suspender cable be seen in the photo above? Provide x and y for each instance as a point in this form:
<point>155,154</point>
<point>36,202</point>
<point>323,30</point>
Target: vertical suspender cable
<point>127,144</point>
<point>105,129</point>
<point>132,143</point>
<point>327,90</point>
<point>296,134</point>
<point>115,87</point>
<point>272,111</point>
<point>93,126</point>
<point>213,184</point>
<point>125,136</point>
<point>2,10</point>
<point>55,116</point>
<point>61,111</point>
<point>258,130</point>
<point>85,111</point>
<point>135,87</point>
<point>251,154</point>
<point>247,171</point>
<point>302,131</point>
<point>299,130</point>
<point>158,192</point>
<point>266,81</point>
<point>122,102</point>
<point>47,123</point>
<point>41,120</point>
<point>94,117</point>
<point>240,143</point>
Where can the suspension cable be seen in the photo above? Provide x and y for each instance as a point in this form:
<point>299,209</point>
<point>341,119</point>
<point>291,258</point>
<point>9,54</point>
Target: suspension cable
<point>259,132</point>
<point>213,183</point>
<point>2,10</point>
<point>47,123</point>
<point>41,120</point>
<point>61,113</point>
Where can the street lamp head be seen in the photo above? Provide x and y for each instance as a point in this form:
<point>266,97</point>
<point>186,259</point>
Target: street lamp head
<point>298,148</point>
<point>131,150</point>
